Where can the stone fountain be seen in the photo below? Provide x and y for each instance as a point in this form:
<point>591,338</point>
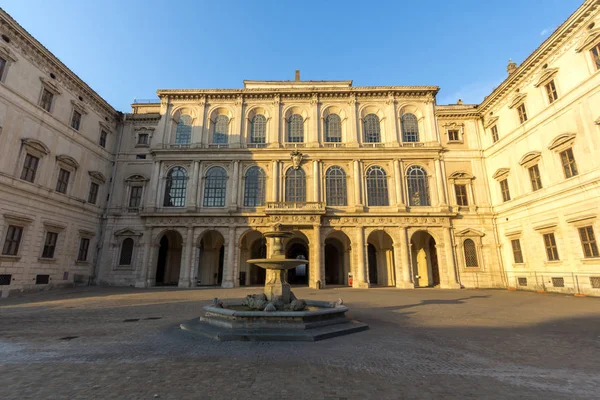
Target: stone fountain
<point>276,314</point>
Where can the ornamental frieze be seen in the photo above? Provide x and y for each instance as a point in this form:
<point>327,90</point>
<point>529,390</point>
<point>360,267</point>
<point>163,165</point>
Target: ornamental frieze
<point>380,221</point>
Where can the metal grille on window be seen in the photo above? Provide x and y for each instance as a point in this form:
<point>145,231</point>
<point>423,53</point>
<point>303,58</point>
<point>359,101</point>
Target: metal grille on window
<point>372,129</point>
<point>333,128</point>
<point>49,245</point>
<point>29,168</point>
<point>295,185</point>
<point>12,241</point>
<point>410,128</point>
<point>522,281</point>
<point>418,186</point>
<point>175,187</point>
<point>377,187</point>
<point>126,252</point>
<point>221,129</point>
<point>568,162</point>
<point>470,253</point>
<point>258,133</point>
<point>183,134</point>
<point>335,186</point>
<point>296,129</point>
<point>254,187</point>
<point>5,279</point>
<point>215,187</point>
<point>558,282</point>
<point>42,279</point>
<point>595,282</point>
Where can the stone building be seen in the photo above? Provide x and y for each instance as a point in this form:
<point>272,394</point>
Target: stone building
<point>380,185</point>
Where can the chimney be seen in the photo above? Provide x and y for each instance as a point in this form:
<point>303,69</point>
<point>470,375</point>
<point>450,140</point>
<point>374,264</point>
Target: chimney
<point>297,75</point>
<point>512,67</point>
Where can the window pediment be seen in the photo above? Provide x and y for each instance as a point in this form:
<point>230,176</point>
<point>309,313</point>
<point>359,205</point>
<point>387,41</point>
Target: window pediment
<point>461,175</point>
<point>517,99</point>
<point>87,234</point>
<point>79,106</point>
<point>51,86</point>
<point>35,145</point>
<point>530,158</point>
<point>136,179</point>
<point>501,173</point>
<point>470,232</point>
<point>97,175</point>
<point>546,227</point>
<point>5,52</point>
<point>54,226</point>
<point>490,121</point>
<point>547,75</point>
<point>127,232</point>
<point>589,41</point>
<point>68,161</point>
<point>17,219</point>
<point>562,142</point>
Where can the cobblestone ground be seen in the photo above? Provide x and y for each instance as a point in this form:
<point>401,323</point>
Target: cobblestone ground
<point>124,343</point>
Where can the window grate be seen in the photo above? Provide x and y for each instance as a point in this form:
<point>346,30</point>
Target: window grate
<point>595,282</point>
<point>558,282</point>
<point>42,279</point>
<point>522,281</point>
<point>5,279</point>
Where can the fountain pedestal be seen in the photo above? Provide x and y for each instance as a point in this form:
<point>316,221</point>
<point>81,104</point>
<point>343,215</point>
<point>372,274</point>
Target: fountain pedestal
<point>277,285</point>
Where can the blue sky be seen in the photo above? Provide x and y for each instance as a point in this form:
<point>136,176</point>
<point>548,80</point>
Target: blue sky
<point>129,49</point>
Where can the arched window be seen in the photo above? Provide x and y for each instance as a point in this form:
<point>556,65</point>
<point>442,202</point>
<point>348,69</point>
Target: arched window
<point>335,186</point>
<point>175,188</point>
<point>258,130</point>
<point>215,188</point>
<point>333,128</point>
<point>470,253</point>
<point>254,187</point>
<point>296,129</point>
<point>126,252</point>
<point>377,189</point>
<point>372,129</point>
<point>410,128</point>
<point>221,129</point>
<point>418,187</point>
<point>183,134</point>
<point>295,185</point>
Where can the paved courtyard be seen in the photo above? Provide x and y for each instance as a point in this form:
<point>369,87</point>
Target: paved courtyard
<point>122,343</point>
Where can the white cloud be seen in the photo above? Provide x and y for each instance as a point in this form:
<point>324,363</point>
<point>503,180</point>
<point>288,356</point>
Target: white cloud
<point>544,32</point>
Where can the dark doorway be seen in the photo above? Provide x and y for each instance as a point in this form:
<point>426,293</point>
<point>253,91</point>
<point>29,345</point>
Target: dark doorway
<point>435,271</point>
<point>298,275</point>
<point>334,258</point>
<point>162,261</point>
<point>258,274</point>
<point>220,270</point>
<point>372,258</point>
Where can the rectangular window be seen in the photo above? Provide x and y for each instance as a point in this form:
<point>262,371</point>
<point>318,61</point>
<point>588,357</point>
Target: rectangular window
<point>13,240</point>
<point>2,67</point>
<point>522,113</point>
<point>63,181</point>
<point>461,195</point>
<point>140,157</point>
<point>135,197</point>
<point>534,177</point>
<point>504,190</point>
<point>29,168</point>
<point>49,245</point>
<point>495,133</point>
<point>551,92</point>
<point>143,138</point>
<point>551,249</point>
<point>453,135</point>
<point>76,120</point>
<point>84,244</point>
<point>93,193</point>
<point>596,55</point>
<point>46,100</point>
<point>103,136</point>
<point>517,253</point>
<point>588,241</point>
<point>568,163</point>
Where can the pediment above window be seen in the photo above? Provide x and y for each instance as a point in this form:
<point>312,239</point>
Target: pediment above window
<point>461,175</point>
<point>127,232</point>
<point>501,173</point>
<point>51,86</point>
<point>517,99</point>
<point>97,176</point>
<point>87,234</point>
<point>105,126</point>
<point>68,161</point>
<point>136,178</point>
<point>35,145</point>
<point>530,158</point>
<point>54,226</point>
<point>79,106</point>
<point>562,141</point>
<point>7,54</point>
<point>470,232</point>
<point>546,76</point>
<point>589,41</point>
<point>490,121</point>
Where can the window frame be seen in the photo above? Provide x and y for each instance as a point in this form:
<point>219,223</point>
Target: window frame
<point>372,128</point>
<point>494,131</point>
<point>60,181</point>
<point>259,120</point>
<point>407,135</point>
<point>295,193</point>
<point>504,189</point>
<point>551,247</point>
<point>336,187</point>
<point>473,256</point>
<point>522,113</point>
<point>76,118</point>
<point>221,137</point>
<point>254,192</point>
<point>336,121</point>
<point>50,244</point>
<point>569,166</point>
<point>517,251</point>
<point>6,246</point>
<point>295,125</point>
<point>535,177</point>
<point>462,199</point>
<point>215,187</point>
<point>82,253</point>
<point>182,133</point>
<point>377,187</point>
<point>131,255</point>
<point>180,190</point>
<point>590,240</point>
<point>551,91</point>
<point>412,183</point>
<point>27,169</point>
<point>93,192</point>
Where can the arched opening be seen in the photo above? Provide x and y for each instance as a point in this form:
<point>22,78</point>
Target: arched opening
<point>168,263</point>
<point>380,258</point>
<point>252,245</point>
<point>211,251</point>
<point>424,260</point>
<point>337,258</point>
<point>297,247</point>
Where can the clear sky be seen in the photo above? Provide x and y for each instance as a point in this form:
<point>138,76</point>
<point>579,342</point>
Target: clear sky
<point>126,49</point>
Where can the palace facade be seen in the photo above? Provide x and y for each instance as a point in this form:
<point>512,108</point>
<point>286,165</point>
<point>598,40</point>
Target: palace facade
<point>380,185</point>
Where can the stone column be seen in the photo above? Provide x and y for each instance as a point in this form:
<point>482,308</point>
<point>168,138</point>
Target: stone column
<point>470,196</point>
<point>316,181</point>
<point>141,281</point>
<point>314,124</point>
<point>154,186</point>
<point>275,135</point>
<point>275,177</point>
<point>317,265</point>
<point>441,188</point>
<point>358,202</point>
<point>450,262</point>
<point>404,261</point>
<point>355,123</point>
<point>398,183</point>
<point>359,279</point>
<point>199,125</point>
<point>229,267</point>
<point>237,124</point>
<point>233,203</point>
<point>186,259</point>
<point>193,196</point>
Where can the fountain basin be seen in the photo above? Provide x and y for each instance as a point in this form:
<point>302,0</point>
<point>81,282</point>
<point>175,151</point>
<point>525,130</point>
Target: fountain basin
<point>322,320</point>
<point>279,264</point>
